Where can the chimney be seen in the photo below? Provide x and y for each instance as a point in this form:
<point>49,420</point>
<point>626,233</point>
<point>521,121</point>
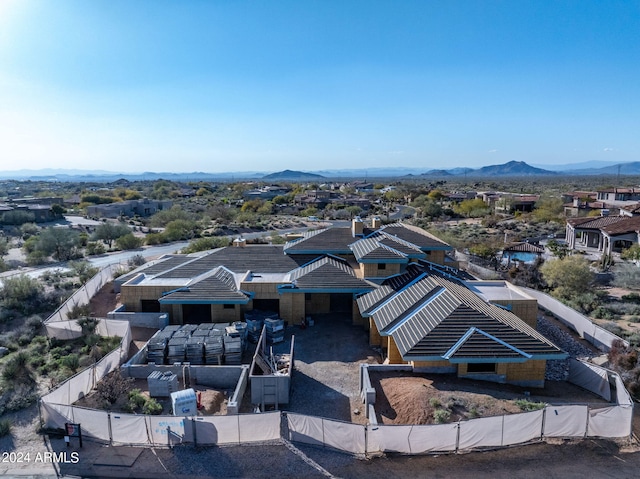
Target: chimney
<point>376,222</point>
<point>239,242</point>
<point>357,227</point>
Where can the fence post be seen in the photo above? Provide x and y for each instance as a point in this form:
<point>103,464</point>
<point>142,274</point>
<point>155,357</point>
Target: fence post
<point>195,435</point>
<point>366,439</point>
<point>544,418</point>
<point>238,422</point>
<point>458,437</point>
<point>502,432</point>
<point>110,428</point>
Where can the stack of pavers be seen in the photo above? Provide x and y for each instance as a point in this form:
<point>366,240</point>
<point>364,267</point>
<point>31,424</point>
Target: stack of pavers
<point>157,347</point>
<point>177,345</point>
<point>213,347</point>
<point>232,349</point>
<point>241,328</point>
<point>194,348</point>
<point>162,384</point>
<point>275,330</point>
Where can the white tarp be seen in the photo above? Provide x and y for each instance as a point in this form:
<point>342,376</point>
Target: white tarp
<point>436,438</point>
<point>80,385</point>
<point>129,429</point>
<point>622,395</point>
<point>523,427</point>
<point>107,364</point>
<point>590,377</point>
<point>166,430</point>
<point>259,427</point>
<point>483,432</point>
<point>93,423</point>
<point>217,430</point>
<point>56,415</point>
<point>610,422</point>
<point>565,421</point>
<point>305,429</point>
<point>344,436</point>
<point>389,439</point>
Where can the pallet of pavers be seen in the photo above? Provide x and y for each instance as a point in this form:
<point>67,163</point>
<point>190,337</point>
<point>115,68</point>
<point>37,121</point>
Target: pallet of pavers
<point>213,348</point>
<point>275,330</point>
<point>194,348</point>
<point>176,350</point>
<point>232,350</point>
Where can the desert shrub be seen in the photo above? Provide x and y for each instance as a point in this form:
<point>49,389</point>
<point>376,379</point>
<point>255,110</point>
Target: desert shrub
<point>526,405</point>
<point>152,406</point>
<point>136,400</point>
<point>71,362</point>
<point>136,260</point>
<point>78,311</point>
<point>5,427</point>
<point>613,328</point>
<point>434,402</point>
<point>113,386</point>
<point>441,416</point>
<point>627,276</point>
<point>603,312</point>
<point>631,298</point>
<point>622,357</point>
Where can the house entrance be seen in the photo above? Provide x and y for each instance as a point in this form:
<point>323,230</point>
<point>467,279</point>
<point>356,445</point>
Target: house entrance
<point>196,313</point>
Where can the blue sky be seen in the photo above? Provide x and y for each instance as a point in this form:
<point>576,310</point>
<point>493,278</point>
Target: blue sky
<point>267,85</point>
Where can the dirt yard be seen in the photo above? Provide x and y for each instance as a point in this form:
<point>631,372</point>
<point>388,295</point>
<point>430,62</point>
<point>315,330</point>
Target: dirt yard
<point>104,301</point>
<point>214,401</point>
<point>403,398</point>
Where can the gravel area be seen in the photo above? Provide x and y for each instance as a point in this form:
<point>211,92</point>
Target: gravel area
<point>567,341</point>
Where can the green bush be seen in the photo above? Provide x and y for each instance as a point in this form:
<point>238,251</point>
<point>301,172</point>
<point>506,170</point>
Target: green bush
<point>152,407</point>
<point>434,402</point>
<point>527,405</point>
<point>441,416</point>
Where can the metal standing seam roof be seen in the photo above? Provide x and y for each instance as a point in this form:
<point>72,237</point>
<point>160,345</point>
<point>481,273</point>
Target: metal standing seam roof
<point>372,249</point>
<point>219,287</point>
<point>443,312</point>
<point>161,266</point>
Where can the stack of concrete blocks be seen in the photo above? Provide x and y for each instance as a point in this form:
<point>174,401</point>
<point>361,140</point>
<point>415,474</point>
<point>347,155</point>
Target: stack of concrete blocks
<point>162,384</point>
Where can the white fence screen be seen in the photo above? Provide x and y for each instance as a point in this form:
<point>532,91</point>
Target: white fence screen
<point>127,429</point>
<point>436,438</point>
<point>525,427</point>
<point>565,421</point>
<point>259,427</point>
<point>389,439</point>
<point>93,423</point>
<point>484,432</point>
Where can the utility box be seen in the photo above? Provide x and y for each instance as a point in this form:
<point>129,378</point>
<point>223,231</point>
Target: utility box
<point>184,403</point>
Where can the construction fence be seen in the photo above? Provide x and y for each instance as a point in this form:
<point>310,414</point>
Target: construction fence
<point>587,329</point>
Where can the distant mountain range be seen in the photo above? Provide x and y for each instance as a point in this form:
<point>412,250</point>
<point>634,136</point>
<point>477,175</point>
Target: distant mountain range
<point>510,169</point>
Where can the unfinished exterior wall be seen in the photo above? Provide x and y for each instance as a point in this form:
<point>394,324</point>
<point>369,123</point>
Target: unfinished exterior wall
<point>393,354</point>
<point>525,309</point>
<point>374,336</point>
<point>356,317</point>
<point>528,374</point>
<point>371,270</point>
<point>292,307</point>
<point>220,314</point>
<point>261,290</point>
<point>433,366</point>
<point>435,256</point>
<point>132,296</point>
<point>317,303</point>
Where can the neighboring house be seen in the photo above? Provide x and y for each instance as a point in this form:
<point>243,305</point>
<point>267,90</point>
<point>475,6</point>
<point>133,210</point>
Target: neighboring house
<point>41,212</point>
<point>605,234</point>
<point>521,251</point>
<point>266,192</point>
<point>618,195</point>
<point>143,207</point>
<point>510,203</point>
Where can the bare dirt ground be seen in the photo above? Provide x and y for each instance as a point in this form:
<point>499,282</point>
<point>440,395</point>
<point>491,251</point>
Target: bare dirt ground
<point>104,301</point>
<point>403,398</point>
<point>214,401</point>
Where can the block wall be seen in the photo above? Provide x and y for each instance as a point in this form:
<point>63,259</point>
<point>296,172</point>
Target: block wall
<point>318,303</point>
<point>261,290</point>
<point>393,354</point>
<point>370,270</point>
<point>525,309</point>
<point>292,307</point>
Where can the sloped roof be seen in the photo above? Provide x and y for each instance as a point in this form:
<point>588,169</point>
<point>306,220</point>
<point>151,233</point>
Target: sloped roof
<point>327,240</point>
<point>432,315</point>
<point>611,225</point>
<point>257,258</point>
<point>415,235</point>
<point>219,287</point>
<point>372,250</point>
<point>327,274</point>
<point>523,248</point>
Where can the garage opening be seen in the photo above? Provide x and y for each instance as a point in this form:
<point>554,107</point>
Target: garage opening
<point>267,304</point>
<point>341,302</point>
<point>196,313</point>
